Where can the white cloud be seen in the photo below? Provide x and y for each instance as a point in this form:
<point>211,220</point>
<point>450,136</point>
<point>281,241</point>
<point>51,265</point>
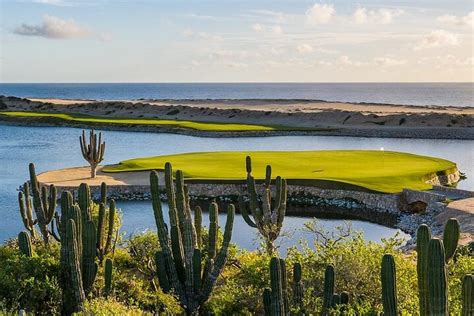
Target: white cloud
<point>277,17</point>
<point>388,61</point>
<point>53,27</point>
<point>320,14</point>
<point>275,29</point>
<point>304,48</point>
<point>467,20</point>
<point>257,27</point>
<point>346,61</point>
<point>437,38</point>
<point>380,16</point>
<point>447,61</point>
<point>202,35</point>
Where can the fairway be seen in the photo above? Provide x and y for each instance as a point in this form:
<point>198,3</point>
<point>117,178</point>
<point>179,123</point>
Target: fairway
<point>192,125</point>
<point>381,171</point>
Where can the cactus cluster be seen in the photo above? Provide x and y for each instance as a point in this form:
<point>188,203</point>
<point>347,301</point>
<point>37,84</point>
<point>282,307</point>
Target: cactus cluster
<point>276,299</point>
<point>44,205</point>
<point>266,216</point>
<point>93,152</point>
<point>433,256</point>
<point>82,247</point>
<point>180,260</point>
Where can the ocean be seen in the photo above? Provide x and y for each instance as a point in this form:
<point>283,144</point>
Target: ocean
<point>442,94</point>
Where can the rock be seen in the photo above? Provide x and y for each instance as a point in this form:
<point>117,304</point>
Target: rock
<point>417,207</point>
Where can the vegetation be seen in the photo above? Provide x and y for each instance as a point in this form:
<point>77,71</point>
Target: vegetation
<point>93,152</point>
<point>267,218</point>
<point>381,171</point>
<point>180,124</point>
<point>180,270</point>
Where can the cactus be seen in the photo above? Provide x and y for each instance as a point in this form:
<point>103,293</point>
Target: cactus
<point>344,297</point>
<point>328,289</point>
<point>26,210</point>
<point>108,277</point>
<point>273,298</point>
<point>24,244</point>
<point>72,289</point>
<point>451,237</point>
<point>104,244</point>
<point>93,152</point>
<point>336,300</point>
<point>297,287</point>
<point>44,203</point>
<point>437,282</point>
<point>468,295</point>
<point>179,261</point>
<point>267,218</point>
<point>423,237</point>
<point>389,286</point>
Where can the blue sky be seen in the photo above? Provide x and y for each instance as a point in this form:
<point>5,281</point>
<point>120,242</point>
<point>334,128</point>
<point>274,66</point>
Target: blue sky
<point>236,41</point>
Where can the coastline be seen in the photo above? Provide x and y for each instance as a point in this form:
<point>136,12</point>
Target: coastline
<point>307,117</point>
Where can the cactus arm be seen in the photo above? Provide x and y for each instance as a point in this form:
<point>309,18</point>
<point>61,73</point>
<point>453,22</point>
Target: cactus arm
<point>52,203</point>
<point>297,286</point>
<point>253,199</point>
<point>25,213</point>
<point>108,276</point>
<point>277,305</point>
<point>110,228</point>
<point>100,230</point>
<point>284,287</point>
<point>197,266</point>
<point>89,266</point>
<point>213,227</point>
<point>268,176</point>
<point>245,214</point>
<point>389,286</point>
<point>437,282</point>
<point>328,289</point>
<point>103,193</point>
<point>468,295</point>
<point>24,244</point>
<point>219,263</point>
<point>423,237</point>
<point>451,236</point>
<point>198,226</point>
<point>84,201</point>
<point>93,152</point>
<point>161,272</point>
<point>267,302</point>
<point>248,164</point>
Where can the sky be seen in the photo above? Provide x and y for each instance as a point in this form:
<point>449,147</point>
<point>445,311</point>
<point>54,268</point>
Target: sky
<point>236,41</point>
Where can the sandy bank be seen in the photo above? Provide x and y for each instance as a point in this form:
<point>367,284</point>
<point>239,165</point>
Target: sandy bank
<point>334,118</point>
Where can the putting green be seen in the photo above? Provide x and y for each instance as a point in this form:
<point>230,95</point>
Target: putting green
<point>193,125</point>
<point>381,171</point>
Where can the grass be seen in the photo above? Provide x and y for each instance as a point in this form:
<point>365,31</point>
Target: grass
<point>193,125</point>
<point>380,171</point>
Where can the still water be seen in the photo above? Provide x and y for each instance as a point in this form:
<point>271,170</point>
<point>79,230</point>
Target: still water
<point>57,147</point>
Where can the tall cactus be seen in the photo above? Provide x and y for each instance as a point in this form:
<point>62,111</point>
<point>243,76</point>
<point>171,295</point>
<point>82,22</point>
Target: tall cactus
<point>108,277</point>
<point>71,277</point>
<point>274,298</point>
<point>328,289</point>
<point>297,287</point>
<point>437,282</point>
<point>26,210</point>
<point>44,203</point>
<point>24,244</point>
<point>389,286</point>
<point>93,152</point>
<point>264,216</point>
<point>105,234</point>
<point>423,237</point>
<point>451,236</point>
<point>468,295</point>
<point>179,261</point>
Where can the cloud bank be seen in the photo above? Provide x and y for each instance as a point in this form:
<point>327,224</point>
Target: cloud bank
<point>53,28</point>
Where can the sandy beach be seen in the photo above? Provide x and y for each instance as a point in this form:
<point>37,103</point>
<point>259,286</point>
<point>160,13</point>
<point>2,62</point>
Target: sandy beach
<point>334,118</point>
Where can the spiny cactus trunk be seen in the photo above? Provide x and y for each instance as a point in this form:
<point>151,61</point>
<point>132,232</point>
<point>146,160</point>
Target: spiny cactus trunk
<point>24,244</point>
<point>451,236</point>
<point>468,295</point>
<point>423,237</point>
<point>437,282</point>
<point>328,293</point>
<point>389,286</point>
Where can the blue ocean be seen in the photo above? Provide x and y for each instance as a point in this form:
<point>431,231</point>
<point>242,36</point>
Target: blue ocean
<point>442,94</point>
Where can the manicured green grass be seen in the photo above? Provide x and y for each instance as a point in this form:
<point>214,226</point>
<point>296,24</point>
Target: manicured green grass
<point>194,125</point>
<point>381,171</point>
